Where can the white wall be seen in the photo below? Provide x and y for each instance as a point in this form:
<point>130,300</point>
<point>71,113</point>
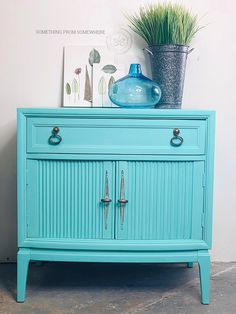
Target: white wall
<point>31,76</point>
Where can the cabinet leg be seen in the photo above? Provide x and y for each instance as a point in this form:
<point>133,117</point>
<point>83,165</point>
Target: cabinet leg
<point>190,264</point>
<point>23,258</point>
<point>204,272</point>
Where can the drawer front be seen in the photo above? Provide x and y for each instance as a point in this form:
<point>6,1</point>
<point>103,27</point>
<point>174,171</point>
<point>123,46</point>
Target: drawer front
<point>115,136</point>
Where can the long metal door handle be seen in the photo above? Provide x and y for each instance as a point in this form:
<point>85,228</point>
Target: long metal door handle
<point>122,199</point>
<point>106,200</point>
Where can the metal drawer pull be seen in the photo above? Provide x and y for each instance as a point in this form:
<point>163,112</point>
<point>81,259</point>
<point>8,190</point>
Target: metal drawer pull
<point>106,200</point>
<point>122,199</point>
<point>55,138</point>
<point>176,139</point>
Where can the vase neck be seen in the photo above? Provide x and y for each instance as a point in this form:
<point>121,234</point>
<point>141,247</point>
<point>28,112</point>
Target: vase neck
<point>135,69</point>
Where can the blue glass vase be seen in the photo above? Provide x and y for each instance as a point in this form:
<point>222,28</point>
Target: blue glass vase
<point>135,90</point>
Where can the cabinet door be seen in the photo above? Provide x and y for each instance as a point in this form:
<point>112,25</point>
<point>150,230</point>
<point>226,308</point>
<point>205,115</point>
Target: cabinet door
<point>165,200</point>
<point>64,199</point>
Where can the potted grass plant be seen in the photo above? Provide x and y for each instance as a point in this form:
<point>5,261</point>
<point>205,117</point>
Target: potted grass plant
<point>168,30</point>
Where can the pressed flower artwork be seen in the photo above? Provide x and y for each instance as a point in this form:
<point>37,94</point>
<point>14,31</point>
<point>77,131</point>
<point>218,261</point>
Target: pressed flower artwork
<point>89,72</point>
<point>79,66</point>
<point>103,77</point>
<point>77,81</point>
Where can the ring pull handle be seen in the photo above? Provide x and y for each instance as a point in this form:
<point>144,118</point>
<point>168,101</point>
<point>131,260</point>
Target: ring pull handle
<point>55,138</point>
<point>122,201</point>
<point>106,200</point>
<point>176,139</point>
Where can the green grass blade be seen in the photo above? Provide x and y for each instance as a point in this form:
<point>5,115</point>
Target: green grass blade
<point>164,24</point>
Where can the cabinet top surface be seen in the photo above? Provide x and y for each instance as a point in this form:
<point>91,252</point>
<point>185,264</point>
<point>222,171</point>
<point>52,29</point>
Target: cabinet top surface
<point>117,112</point>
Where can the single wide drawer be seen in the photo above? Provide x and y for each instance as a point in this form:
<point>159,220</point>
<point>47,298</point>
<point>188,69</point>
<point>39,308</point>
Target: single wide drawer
<point>115,136</point>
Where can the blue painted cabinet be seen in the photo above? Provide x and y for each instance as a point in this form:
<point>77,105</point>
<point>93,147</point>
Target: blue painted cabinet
<point>115,185</point>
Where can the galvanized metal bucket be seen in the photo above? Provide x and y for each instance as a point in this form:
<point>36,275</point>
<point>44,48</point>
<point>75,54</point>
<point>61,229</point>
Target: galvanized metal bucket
<point>168,63</point>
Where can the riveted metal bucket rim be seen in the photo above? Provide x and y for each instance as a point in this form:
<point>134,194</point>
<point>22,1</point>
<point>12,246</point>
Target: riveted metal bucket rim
<point>169,45</point>
<point>164,48</point>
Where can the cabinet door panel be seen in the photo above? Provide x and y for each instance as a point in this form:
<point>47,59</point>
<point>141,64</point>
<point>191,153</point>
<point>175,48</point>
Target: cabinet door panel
<point>64,199</point>
<point>165,200</point>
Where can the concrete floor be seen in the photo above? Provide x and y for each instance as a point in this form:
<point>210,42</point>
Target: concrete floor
<point>68,288</point>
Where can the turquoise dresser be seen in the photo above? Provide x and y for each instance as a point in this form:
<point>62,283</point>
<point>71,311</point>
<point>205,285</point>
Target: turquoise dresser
<point>115,185</point>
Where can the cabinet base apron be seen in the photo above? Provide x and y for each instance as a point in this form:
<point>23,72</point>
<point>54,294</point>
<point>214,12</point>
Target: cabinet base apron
<point>202,257</point>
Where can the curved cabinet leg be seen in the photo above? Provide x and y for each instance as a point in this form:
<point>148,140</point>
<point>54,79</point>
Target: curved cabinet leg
<point>204,272</point>
<point>23,258</point>
<point>190,264</point>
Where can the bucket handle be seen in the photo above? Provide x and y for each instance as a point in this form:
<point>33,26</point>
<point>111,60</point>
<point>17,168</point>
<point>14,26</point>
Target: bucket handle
<point>151,53</point>
<point>190,50</point>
